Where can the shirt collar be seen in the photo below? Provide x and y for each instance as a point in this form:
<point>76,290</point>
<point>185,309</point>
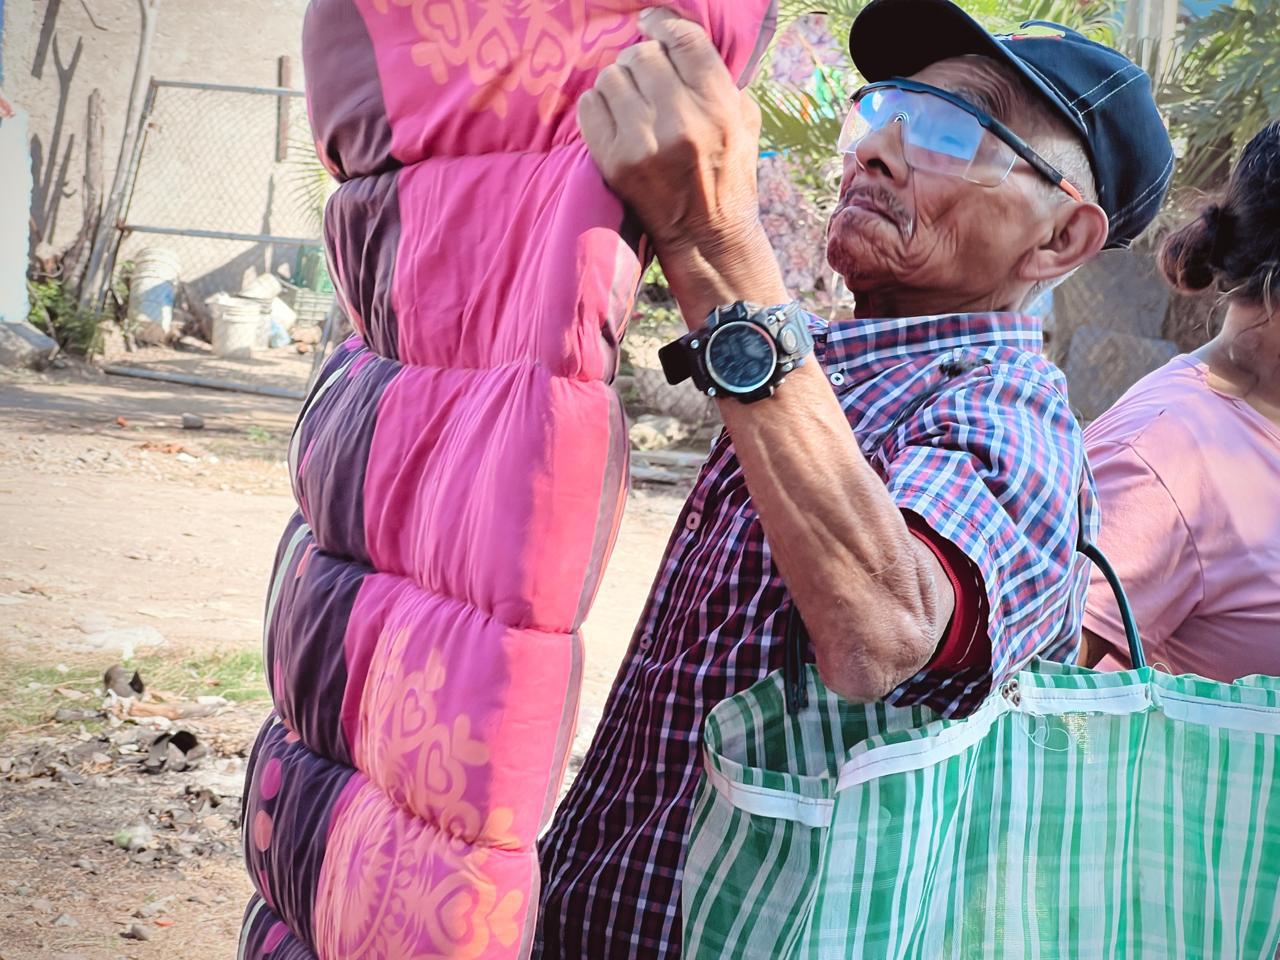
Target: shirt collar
<point>858,348</point>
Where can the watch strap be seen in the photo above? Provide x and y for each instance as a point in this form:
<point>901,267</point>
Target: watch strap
<point>677,360</point>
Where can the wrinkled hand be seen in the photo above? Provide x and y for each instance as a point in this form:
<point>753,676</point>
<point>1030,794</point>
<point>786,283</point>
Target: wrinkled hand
<point>675,138</point>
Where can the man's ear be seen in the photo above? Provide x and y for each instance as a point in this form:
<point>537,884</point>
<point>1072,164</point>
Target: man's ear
<point>1079,231</point>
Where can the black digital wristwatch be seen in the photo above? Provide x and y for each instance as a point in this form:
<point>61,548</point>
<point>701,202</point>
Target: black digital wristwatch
<point>745,351</point>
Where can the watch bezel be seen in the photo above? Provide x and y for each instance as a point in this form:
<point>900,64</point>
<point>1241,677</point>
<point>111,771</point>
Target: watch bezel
<point>719,379</point>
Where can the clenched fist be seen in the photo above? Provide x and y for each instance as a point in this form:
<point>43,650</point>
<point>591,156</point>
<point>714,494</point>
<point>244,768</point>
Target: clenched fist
<point>676,139</point>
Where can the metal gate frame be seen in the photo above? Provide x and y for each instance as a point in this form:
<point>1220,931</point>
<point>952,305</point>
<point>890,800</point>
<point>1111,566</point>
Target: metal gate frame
<point>123,227</point>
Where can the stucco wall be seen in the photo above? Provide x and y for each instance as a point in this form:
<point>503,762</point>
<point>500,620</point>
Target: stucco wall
<point>14,199</point>
<point>55,52</point>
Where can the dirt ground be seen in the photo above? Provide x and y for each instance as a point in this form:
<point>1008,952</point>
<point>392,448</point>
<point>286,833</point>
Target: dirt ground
<point>126,539</point>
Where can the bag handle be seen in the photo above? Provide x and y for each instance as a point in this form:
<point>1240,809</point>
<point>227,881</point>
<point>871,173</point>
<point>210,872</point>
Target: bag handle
<point>796,639</point>
<point>1137,658</point>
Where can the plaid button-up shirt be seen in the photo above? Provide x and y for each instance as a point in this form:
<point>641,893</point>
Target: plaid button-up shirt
<point>992,460</point>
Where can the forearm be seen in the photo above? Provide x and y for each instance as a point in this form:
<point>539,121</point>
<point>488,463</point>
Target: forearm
<point>873,597</point>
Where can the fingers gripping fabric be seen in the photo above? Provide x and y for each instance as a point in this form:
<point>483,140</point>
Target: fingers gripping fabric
<point>459,470</point>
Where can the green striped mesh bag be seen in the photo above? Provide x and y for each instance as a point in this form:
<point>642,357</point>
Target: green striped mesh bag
<point>1075,815</point>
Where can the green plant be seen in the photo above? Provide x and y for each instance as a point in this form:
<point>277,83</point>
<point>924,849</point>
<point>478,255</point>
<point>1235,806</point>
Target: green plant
<point>1222,86</point>
<point>310,184</point>
<point>55,310</point>
<point>120,286</point>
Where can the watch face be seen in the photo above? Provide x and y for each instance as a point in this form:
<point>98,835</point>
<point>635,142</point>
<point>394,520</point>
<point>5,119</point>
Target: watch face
<point>741,357</point>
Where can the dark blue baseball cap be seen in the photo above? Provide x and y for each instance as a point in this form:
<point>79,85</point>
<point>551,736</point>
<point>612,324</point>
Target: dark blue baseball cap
<point>1099,92</point>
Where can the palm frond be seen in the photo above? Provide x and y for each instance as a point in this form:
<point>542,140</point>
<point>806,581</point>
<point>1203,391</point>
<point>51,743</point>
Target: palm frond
<point>310,184</point>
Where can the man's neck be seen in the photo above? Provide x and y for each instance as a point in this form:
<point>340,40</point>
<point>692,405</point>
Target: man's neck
<point>899,303</point>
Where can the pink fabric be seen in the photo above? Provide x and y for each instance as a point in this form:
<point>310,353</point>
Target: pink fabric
<point>395,887</point>
<point>506,77</point>
<point>1189,483</point>
<point>460,468</point>
<point>497,308</point>
<point>517,547</point>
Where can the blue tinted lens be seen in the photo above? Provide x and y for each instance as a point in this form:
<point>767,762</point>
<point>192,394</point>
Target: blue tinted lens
<point>937,135</point>
<point>941,127</point>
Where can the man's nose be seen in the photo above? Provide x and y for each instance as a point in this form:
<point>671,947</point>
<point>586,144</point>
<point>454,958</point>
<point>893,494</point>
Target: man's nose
<point>881,151</point>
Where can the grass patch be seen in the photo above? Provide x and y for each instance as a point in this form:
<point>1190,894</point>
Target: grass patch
<point>33,699</point>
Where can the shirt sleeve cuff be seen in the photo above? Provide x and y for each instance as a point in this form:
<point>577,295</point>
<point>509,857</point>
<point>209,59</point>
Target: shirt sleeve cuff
<point>964,644</point>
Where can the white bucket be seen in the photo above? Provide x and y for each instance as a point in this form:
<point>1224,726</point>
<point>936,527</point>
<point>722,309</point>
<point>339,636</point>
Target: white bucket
<point>237,323</point>
<point>152,287</point>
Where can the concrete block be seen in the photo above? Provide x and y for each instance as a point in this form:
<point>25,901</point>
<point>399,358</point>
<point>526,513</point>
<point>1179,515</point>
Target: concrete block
<point>22,345</point>
<point>1103,364</point>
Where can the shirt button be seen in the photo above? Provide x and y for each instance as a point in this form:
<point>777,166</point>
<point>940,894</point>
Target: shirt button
<point>693,521</point>
<point>646,641</point>
<point>837,378</point>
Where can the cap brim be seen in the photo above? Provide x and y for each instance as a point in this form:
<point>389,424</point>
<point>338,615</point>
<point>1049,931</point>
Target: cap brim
<point>897,38</point>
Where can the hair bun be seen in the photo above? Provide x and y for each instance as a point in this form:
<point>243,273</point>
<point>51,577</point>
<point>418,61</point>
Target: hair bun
<point>1187,256</point>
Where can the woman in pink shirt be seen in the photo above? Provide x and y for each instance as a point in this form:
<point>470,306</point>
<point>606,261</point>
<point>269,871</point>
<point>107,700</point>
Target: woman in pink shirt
<point>1188,461</point>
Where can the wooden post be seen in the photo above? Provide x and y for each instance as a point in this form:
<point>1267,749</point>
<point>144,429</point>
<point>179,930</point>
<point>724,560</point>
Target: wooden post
<point>284,78</point>
<point>1150,28</point>
<point>77,256</point>
<point>102,252</point>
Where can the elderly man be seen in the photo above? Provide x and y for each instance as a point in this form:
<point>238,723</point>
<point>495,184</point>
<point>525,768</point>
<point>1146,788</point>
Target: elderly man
<point>912,482</point>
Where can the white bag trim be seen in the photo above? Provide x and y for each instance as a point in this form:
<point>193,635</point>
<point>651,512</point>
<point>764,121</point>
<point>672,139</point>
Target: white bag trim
<point>918,754</point>
<point>953,740</point>
<point>1214,713</point>
<point>767,802</point>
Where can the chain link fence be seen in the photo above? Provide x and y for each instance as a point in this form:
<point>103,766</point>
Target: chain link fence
<point>226,179</point>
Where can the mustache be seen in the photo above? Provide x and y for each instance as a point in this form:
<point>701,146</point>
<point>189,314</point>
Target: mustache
<point>882,199</point>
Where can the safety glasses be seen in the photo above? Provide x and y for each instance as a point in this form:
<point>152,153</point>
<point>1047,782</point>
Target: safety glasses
<point>943,133</point>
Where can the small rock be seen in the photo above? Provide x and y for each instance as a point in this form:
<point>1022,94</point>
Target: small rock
<point>88,866</point>
<point>307,334</point>
<point>192,421</point>
<point>22,345</point>
<point>657,433</point>
<point>71,715</point>
<point>136,837</point>
<point>193,344</point>
<point>154,908</point>
<point>65,774</point>
<point>65,920</point>
<point>23,890</point>
<point>302,348</point>
<point>6,764</point>
<point>136,931</point>
<point>144,856</point>
<point>184,457</point>
<point>42,906</point>
<point>118,681</point>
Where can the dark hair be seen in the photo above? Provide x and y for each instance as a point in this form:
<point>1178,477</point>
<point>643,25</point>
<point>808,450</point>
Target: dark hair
<point>1235,244</point>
